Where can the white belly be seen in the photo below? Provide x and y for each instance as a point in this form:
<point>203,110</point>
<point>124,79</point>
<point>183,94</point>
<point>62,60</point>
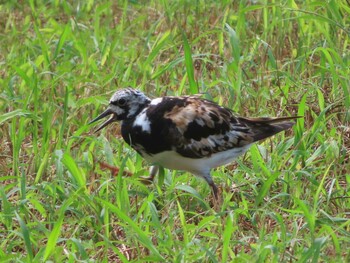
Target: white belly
<point>173,160</point>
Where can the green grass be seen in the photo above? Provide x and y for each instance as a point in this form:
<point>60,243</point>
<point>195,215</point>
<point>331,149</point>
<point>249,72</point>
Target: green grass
<point>286,200</point>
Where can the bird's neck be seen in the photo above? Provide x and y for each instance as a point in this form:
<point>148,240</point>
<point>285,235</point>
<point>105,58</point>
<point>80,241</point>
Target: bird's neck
<point>136,109</point>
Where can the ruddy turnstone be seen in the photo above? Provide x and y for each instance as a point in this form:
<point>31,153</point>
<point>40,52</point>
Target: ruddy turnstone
<point>186,133</point>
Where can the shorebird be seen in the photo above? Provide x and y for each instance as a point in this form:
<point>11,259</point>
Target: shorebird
<point>186,132</point>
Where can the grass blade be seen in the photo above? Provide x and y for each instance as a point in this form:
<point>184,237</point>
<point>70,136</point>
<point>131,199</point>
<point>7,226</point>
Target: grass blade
<point>189,65</point>
<point>17,113</point>
<point>62,40</point>
<point>227,237</point>
<point>72,167</point>
<point>141,235</point>
<point>52,240</point>
<point>265,188</point>
<point>26,236</point>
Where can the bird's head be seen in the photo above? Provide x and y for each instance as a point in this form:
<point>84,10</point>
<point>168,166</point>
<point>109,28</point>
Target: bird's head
<point>124,104</point>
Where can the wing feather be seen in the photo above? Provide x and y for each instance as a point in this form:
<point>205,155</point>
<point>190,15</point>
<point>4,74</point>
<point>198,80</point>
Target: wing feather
<point>198,128</point>
<point>203,128</point>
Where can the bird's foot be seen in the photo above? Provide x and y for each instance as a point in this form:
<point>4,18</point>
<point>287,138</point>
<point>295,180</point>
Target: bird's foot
<point>153,171</point>
<point>216,202</point>
<point>114,170</point>
<point>147,180</point>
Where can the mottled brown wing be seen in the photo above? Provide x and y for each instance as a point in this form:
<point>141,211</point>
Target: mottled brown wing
<point>203,128</point>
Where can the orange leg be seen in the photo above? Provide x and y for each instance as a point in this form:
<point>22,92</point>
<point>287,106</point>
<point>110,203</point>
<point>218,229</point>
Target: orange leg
<point>114,170</point>
<point>144,179</point>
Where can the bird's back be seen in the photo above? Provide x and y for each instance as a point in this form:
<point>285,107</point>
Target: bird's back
<point>198,128</point>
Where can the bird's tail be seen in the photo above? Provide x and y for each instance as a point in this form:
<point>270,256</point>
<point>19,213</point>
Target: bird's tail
<point>265,127</point>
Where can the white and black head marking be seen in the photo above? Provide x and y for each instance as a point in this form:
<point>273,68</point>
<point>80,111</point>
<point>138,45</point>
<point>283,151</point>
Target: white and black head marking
<point>124,104</point>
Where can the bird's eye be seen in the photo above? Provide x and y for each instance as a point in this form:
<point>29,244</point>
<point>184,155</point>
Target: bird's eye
<point>121,102</point>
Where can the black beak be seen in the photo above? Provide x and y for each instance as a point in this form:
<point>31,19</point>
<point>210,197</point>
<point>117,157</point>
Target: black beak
<point>102,115</point>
